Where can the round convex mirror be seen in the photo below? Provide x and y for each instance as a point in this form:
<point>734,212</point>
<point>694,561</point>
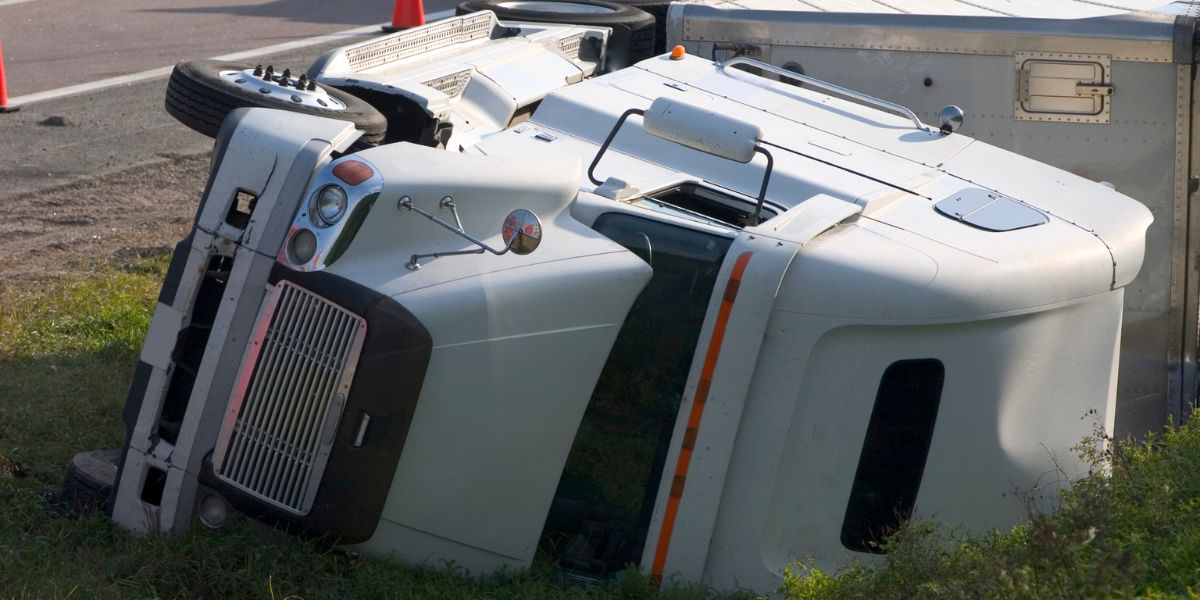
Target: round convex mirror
<point>525,227</point>
<point>951,118</point>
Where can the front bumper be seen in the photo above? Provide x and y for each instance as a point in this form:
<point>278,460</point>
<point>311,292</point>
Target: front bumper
<point>199,348</point>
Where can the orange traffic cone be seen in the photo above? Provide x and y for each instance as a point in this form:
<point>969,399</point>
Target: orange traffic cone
<point>408,13</point>
<point>4,107</point>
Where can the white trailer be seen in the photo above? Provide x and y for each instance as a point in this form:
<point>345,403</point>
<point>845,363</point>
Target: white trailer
<point>1111,98</point>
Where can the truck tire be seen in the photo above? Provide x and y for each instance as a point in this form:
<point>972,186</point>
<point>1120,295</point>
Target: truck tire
<point>639,24</point>
<point>658,10</point>
<point>90,479</point>
<point>199,97</point>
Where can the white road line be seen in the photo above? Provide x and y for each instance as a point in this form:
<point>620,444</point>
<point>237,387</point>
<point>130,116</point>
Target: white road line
<point>93,86</point>
<point>7,2</point>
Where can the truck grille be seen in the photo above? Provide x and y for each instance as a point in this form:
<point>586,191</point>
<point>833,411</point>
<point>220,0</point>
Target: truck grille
<point>281,420</point>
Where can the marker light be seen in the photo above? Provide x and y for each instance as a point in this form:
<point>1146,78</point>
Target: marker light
<point>677,53</point>
<point>352,172</point>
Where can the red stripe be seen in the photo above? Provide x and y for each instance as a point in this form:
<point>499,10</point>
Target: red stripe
<point>685,453</point>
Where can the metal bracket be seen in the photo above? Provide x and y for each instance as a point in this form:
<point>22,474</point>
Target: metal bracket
<point>447,204</point>
<point>762,192</point>
<point>1084,88</point>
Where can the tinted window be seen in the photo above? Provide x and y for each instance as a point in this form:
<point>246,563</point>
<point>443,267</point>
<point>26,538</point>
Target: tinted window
<point>893,455</point>
<point>602,508</point>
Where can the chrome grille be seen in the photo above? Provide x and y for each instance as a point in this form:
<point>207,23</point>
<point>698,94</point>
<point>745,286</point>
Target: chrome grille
<point>467,28</point>
<point>284,412</point>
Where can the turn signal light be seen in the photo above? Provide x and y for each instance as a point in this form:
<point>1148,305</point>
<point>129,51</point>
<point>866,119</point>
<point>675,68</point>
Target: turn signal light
<point>677,53</point>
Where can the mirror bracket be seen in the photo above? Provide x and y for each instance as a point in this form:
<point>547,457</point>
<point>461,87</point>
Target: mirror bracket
<point>762,193</point>
<point>520,242</point>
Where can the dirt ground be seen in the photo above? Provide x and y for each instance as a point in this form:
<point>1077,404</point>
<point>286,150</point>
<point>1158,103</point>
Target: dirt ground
<point>144,210</point>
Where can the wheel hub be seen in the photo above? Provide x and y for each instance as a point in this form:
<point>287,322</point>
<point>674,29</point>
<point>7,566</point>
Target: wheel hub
<point>283,89</point>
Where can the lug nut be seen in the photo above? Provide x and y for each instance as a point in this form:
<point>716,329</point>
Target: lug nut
<point>269,74</point>
<point>258,70</point>
<point>312,85</point>
<point>302,82</point>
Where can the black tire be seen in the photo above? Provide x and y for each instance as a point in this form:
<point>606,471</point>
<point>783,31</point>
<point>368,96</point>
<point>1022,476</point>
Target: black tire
<point>658,10</point>
<point>90,479</point>
<point>638,26</point>
<point>198,97</point>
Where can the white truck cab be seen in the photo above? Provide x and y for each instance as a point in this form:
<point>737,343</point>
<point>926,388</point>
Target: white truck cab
<point>682,316</point>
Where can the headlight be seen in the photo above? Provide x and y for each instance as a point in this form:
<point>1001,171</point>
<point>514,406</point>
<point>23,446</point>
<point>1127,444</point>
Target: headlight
<point>328,206</point>
<point>302,246</point>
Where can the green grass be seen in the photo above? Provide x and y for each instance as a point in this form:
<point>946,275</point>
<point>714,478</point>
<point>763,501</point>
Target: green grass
<point>1130,529</point>
<point>67,354</point>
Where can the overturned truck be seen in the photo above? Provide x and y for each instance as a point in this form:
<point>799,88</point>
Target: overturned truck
<point>674,315</point>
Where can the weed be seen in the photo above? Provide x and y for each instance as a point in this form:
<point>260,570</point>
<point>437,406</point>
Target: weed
<point>1129,528</point>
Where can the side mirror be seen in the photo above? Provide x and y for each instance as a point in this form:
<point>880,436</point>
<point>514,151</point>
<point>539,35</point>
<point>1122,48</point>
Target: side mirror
<point>951,118</point>
<point>522,231</point>
<point>701,129</point>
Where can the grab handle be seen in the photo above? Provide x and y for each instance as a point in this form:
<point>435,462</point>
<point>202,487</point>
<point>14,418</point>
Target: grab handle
<point>827,86</point>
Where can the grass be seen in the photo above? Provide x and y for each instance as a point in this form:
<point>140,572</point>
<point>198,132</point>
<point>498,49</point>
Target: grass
<point>67,354</point>
<point>1129,529</point>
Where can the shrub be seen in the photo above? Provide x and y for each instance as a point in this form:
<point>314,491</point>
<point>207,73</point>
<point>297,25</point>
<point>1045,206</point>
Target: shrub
<point>1130,528</point>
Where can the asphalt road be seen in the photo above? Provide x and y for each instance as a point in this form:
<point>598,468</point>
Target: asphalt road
<point>57,142</point>
<point>49,44</point>
<point>100,175</point>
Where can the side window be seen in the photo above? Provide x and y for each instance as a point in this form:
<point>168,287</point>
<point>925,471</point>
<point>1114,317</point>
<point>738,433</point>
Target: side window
<point>894,452</point>
<point>601,511</point>
<point>706,205</point>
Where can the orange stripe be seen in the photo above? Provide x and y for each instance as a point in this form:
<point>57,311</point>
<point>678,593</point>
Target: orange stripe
<point>685,453</point>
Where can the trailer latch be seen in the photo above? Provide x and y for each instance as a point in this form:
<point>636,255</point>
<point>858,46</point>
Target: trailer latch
<point>1087,88</point>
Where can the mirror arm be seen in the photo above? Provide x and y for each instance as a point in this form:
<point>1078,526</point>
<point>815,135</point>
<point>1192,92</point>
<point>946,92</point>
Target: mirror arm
<point>762,192</point>
<point>612,134</point>
<point>447,203</point>
<point>413,265</point>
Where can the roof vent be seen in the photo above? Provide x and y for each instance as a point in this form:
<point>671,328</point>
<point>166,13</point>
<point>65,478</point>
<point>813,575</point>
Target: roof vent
<point>989,211</point>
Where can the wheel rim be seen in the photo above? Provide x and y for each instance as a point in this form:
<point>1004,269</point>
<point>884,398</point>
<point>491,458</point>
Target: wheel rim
<point>555,7</point>
<point>282,89</point>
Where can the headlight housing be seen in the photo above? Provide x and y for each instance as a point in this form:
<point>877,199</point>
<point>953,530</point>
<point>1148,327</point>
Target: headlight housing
<point>328,205</point>
<point>301,246</point>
